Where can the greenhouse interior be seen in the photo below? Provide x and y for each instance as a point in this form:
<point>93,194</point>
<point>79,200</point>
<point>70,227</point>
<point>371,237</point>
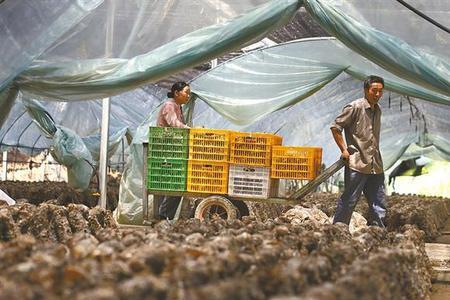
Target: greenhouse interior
<point>236,149</point>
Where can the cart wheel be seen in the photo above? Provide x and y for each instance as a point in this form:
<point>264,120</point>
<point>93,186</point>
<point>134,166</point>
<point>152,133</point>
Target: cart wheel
<point>242,208</point>
<point>216,207</point>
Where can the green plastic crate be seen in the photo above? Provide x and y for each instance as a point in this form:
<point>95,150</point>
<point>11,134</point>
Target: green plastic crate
<point>167,174</point>
<point>168,142</point>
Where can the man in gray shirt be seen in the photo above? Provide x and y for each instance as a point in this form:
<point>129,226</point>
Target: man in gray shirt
<point>360,121</point>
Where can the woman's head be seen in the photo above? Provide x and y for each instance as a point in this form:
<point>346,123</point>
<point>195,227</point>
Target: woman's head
<point>180,92</point>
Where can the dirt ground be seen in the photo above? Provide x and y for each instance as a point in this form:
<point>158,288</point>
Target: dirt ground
<point>53,253</point>
<point>61,248</point>
<point>60,192</point>
<point>440,291</point>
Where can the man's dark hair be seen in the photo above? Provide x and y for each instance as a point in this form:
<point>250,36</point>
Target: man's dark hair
<point>176,87</point>
<point>372,79</point>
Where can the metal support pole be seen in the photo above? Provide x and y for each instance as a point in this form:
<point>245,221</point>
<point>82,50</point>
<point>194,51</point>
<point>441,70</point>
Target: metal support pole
<point>144,185</point>
<point>5,165</point>
<point>104,151</point>
<point>106,105</point>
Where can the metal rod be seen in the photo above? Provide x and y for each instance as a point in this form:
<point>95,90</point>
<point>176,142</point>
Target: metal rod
<point>144,184</point>
<point>421,14</point>
<point>106,105</point>
<point>104,151</point>
<point>313,184</point>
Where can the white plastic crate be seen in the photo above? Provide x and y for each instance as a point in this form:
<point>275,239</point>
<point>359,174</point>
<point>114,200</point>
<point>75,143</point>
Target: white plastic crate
<point>251,182</point>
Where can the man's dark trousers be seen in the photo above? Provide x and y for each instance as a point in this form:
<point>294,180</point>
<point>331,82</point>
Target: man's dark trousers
<point>372,185</point>
<point>168,207</point>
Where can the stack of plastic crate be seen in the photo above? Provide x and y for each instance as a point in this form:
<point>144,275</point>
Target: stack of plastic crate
<point>167,158</point>
<point>250,160</point>
<point>296,162</point>
<point>208,161</point>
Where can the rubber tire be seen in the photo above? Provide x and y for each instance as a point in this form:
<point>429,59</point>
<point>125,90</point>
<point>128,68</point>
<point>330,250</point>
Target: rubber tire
<point>202,208</point>
<point>242,208</point>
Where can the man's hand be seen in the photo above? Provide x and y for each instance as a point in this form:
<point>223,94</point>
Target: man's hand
<point>345,155</point>
<point>339,139</point>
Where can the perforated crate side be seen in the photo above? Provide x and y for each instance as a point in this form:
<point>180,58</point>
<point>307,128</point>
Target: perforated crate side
<point>296,162</point>
<point>255,138</point>
<point>168,151</point>
<point>250,157</point>
<point>176,135</point>
<point>207,177</point>
<point>168,142</point>
<point>250,182</point>
<point>209,144</point>
<point>253,149</point>
<point>167,175</point>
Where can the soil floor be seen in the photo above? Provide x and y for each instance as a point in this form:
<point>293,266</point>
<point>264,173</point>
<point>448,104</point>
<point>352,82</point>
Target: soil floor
<point>280,254</point>
<point>441,291</point>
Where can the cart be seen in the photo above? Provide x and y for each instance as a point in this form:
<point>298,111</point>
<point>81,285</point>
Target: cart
<point>225,206</point>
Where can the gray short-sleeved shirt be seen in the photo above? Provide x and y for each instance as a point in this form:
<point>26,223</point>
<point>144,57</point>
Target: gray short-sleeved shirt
<point>361,126</point>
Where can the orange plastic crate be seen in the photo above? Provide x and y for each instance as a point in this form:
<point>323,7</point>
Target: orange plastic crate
<point>209,144</point>
<point>296,162</point>
<point>207,177</point>
<point>253,149</point>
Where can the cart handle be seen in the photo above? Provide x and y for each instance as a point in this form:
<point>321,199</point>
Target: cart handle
<point>313,184</point>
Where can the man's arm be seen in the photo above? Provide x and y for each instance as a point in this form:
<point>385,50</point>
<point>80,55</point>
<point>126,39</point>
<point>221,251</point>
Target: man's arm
<point>339,139</point>
<point>342,121</point>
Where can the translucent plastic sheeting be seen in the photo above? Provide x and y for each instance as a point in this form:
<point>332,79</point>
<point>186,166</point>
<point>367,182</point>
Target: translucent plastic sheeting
<point>92,142</point>
<point>431,152</point>
<point>77,154</point>
<point>7,98</point>
<point>48,127</point>
<point>253,85</point>
<point>41,117</point>
<point>307,123</point>
<point>28,28</point>
<point>388,51</point>
<point>83,117</point>
<point>66,30</point>
<point>32,127</point>
<point>139,26</point>
<point>90,79</point>
<point>129,207</point>
<point>395,19</point>
<point>69,150</point>
<point>93,79</point>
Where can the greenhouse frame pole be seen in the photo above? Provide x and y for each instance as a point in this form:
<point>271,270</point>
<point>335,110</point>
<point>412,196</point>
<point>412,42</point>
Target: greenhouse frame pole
<point>106,105</point>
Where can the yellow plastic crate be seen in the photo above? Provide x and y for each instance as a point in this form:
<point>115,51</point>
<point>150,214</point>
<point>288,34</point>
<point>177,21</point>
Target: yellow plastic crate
<point>209,144</point>
<point>253,149</point>
<point>207,177</point>
<point>296,162</point>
